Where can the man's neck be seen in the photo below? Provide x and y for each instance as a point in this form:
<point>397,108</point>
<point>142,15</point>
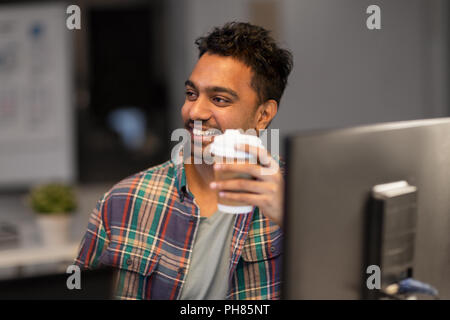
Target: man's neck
<point>199,176</point>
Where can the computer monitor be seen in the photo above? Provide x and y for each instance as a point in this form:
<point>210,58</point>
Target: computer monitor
<point>330,177</point>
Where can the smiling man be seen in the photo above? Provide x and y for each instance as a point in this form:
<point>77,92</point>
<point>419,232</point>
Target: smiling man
<point>161,228</point>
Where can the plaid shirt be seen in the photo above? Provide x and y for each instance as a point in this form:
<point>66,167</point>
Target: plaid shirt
<point>145,227</point>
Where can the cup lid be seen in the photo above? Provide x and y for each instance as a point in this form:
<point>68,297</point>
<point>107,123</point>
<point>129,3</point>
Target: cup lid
<point>223,145</point>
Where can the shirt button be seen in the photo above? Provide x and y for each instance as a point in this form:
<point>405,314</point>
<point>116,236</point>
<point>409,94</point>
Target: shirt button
<point>129,262</point>
<point>272,249</point>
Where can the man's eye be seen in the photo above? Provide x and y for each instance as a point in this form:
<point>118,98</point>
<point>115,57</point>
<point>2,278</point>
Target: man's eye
<point>220,100</point>
<point>190,95</point>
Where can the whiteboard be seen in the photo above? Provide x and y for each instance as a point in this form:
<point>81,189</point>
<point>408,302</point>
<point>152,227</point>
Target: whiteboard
<point>36,108</point>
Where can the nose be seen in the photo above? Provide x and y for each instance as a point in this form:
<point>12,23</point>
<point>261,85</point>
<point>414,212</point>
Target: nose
<point>200,110</point>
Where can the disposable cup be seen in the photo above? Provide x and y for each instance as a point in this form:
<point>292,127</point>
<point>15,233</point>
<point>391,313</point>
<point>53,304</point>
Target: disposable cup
<point>223,151</point>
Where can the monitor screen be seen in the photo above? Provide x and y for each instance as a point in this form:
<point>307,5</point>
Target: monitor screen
<point>330,178</point>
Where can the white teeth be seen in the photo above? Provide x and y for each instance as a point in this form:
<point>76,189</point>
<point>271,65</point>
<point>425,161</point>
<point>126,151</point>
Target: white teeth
<point>204,133</point>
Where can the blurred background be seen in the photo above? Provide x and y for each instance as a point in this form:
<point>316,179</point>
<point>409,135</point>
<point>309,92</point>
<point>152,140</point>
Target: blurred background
<point>89,107</point>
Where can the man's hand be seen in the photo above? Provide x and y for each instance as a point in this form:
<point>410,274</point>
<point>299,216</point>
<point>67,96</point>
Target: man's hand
<point>265,192</point>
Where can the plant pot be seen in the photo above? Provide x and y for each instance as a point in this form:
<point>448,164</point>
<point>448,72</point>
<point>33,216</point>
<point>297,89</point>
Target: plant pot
<point>54,229</point>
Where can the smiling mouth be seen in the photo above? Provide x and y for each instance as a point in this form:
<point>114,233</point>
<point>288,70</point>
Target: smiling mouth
<point>206,133</point>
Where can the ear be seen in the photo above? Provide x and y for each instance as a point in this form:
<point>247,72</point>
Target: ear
<point>265,113</point>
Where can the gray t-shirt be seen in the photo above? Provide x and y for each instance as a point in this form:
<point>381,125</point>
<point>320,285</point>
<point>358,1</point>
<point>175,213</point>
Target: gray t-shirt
<point>207,276</point>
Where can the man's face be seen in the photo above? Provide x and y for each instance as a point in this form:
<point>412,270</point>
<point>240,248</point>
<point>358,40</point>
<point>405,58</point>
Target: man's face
<point>219,93</point>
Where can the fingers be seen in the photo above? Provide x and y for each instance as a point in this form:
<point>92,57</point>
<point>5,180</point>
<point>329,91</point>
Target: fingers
<point>251,186</point>
<point>257,200</point>
<point>256,171</point>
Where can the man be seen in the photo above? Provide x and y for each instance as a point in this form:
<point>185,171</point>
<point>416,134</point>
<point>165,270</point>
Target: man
<point>161,228</point>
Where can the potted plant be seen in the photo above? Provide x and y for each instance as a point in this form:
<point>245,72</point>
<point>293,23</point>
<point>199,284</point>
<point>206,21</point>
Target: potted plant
<point>53,204</point>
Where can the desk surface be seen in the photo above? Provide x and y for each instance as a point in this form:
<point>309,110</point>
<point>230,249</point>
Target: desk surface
<point>23,257</point>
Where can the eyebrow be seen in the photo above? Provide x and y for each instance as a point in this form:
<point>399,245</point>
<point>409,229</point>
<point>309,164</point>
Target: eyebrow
<point>213,89</point>
<point>190,84</point>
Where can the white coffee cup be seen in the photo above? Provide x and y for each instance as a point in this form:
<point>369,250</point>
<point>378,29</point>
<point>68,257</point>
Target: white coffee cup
<point>223,150</point>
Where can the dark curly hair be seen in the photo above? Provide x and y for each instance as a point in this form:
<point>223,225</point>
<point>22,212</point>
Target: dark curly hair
<point>253,46</point>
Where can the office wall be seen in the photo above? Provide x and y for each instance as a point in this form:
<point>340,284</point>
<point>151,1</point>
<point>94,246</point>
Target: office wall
<point>344,74</point>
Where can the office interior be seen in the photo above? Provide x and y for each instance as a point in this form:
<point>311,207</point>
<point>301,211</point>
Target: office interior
<point>88,107</point>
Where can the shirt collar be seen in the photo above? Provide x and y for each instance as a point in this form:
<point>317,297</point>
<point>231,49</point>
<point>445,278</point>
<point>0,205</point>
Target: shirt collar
<point>180,175</point>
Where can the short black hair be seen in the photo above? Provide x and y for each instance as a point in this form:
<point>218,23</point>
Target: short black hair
<point>253,46</point>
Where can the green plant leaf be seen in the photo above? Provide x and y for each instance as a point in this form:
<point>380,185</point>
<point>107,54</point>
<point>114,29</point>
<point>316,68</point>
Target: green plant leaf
<point>53,198</point>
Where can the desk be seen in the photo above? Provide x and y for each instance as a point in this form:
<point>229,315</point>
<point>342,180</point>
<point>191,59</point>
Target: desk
<point>22,261</point>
